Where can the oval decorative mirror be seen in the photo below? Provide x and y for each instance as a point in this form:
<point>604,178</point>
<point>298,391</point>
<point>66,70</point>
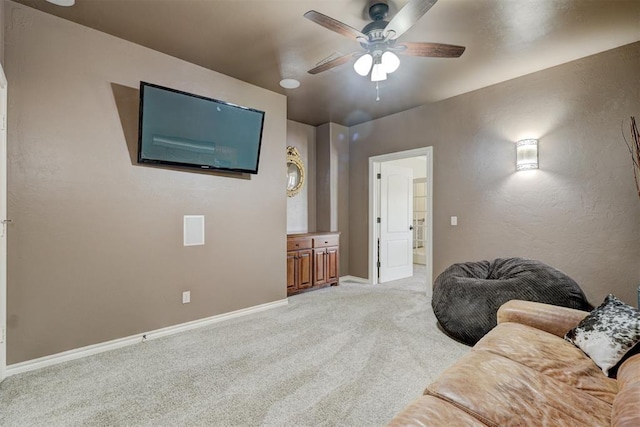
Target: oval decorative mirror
<point>295,172</point>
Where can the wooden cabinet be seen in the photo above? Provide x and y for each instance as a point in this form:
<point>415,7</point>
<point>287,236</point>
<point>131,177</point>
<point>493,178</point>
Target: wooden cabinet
<point>332,265</point>
<point>325,259</point>
<point>299,264</point>
<point>319,267</point>
<point>312,261</point>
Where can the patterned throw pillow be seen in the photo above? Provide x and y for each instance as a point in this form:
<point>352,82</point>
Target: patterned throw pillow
<point>607,333</point>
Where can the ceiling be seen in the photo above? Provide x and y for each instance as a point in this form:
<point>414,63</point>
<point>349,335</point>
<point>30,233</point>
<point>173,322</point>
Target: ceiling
<point>264,41</point>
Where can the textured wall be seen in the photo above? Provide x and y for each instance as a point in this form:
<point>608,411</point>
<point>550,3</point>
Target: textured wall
<point>2,13</point>
<point>578,212</point>
<point>95,249</point>
<point>323,177</point>
<point>301,209</point>
<point>332,185</point>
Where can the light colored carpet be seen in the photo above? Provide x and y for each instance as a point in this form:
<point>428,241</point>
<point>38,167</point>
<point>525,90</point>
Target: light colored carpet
<point>354,355</point>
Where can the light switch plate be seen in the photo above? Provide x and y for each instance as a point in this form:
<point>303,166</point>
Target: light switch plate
<point>454,220</point>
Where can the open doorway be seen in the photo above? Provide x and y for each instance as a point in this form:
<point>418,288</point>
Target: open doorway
<point>420,233</point>
<point>400,212</point>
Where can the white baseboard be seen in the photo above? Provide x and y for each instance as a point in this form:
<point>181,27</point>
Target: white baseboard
<point>355,279</point>
<point>77,353</point>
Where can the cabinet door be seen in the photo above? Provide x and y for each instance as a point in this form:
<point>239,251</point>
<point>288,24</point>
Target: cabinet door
<point>332,265</point>
<point>291,270</point>
<point>305,279</point>
<point>319,266</point>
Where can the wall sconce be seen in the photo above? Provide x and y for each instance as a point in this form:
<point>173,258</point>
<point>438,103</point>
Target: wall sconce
<point>527,154</point>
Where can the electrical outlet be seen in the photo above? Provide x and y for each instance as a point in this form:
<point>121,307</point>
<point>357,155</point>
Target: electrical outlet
<point>454,220</point>
<point>186,297</point>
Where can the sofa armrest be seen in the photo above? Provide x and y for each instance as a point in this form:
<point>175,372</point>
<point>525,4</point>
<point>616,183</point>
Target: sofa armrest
<point>625,406</point>
<point>549,318</point>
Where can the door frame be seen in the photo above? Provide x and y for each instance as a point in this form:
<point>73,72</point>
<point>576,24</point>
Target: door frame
<point>3,214</point>
<point>374,207</point>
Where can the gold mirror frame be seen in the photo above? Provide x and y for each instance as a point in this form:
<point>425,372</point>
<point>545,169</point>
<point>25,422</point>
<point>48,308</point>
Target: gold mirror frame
<point>293,159</point>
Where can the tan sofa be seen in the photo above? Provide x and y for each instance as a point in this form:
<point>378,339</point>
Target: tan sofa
<point>523,373</point>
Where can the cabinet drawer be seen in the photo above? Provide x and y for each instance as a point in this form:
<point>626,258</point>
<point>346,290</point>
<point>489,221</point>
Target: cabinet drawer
<point>324,241</point>
<point>298,243</point>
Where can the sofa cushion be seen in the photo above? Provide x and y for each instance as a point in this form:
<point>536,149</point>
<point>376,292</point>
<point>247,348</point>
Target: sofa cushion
<point>608,332</point>
<point>551,356</point>
<point>433,412</point>
<point>501,392</point>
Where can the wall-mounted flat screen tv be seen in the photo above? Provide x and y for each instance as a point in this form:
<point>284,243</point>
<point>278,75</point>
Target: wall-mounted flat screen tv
<point>186,130</point>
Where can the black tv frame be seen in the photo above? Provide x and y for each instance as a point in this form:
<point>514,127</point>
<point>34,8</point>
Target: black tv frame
<point>199,167</point>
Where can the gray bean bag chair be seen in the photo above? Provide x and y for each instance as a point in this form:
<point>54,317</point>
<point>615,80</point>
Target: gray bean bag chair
<point>466,296</point>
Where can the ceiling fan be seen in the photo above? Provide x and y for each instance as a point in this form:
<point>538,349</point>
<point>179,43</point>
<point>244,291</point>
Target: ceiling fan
<point>380,40</point>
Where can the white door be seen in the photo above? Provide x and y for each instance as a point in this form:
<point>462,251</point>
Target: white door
<point>3,223</point>
<point>396,212</point>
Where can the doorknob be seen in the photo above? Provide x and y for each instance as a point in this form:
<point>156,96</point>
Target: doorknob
<point>411,227</point>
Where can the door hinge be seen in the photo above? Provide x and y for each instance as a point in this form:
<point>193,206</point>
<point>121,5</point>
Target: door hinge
<point>378,220</point>
<point>379,176</point>
<point>2,336</point>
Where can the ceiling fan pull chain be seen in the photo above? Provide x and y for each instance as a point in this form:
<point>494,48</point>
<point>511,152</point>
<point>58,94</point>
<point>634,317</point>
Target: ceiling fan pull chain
<point>377,92</point>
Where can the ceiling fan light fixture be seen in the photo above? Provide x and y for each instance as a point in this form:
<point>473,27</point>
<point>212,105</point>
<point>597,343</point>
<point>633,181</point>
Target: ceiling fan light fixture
<point>378,73</point>
<point>363,65</point>
<point>390,62</point>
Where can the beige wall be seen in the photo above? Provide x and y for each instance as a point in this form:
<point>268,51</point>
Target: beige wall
<point>578,212</point>
<point>332,185</point>
<point>323,178</point>
<point>301,209</point>
<point>95,249</point>
<point>2,6</point>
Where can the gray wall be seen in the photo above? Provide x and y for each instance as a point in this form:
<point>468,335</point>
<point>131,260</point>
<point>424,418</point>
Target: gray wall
<point>2,12</point>
<point>579,212</point>
<point>323,178</point>
<point>301,209</point>
<point>95,249</point>
<point>332,185</point>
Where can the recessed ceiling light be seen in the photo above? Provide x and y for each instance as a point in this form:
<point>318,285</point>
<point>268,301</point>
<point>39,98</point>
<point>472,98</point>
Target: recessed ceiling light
<point>289,83</point>
<point>63,2</point>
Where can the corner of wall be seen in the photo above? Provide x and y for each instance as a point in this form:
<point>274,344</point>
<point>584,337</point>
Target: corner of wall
<point>301,209</point>
<point>332,177</point>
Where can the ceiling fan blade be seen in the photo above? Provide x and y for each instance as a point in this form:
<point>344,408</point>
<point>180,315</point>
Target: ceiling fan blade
<point>335,25</point>
<point>435,50</point>
<point>332,63</point>
<point>407,16</point>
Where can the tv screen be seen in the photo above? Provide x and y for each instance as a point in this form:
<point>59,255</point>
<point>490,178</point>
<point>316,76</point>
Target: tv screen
<point>182,129</point>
